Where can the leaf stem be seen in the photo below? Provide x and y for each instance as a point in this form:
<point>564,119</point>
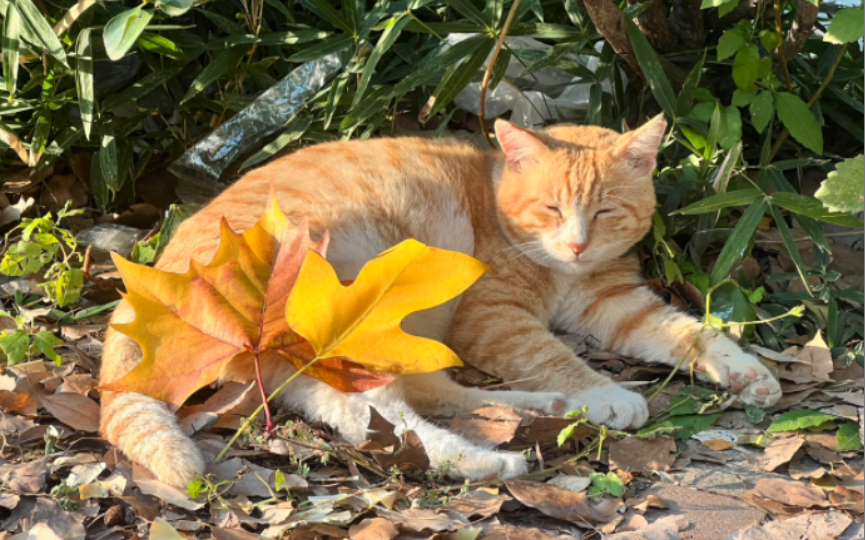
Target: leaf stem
<point>260,408</point>
<point>261,389</point>
<point>489,72</point>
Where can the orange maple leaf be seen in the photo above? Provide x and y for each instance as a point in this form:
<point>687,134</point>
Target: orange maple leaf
<point>189,326</point>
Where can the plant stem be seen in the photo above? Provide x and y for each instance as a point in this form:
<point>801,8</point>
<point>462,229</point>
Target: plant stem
<point>783,137</point>
<point>489,72</point>
<point>261,407</point>
<point>261,389</point>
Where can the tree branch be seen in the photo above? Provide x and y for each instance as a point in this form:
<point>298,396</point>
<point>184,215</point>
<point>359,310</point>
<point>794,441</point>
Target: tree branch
<point>686,20</point>
<point>803,27</point>
<point>653,22</point>
<point>610,23</point>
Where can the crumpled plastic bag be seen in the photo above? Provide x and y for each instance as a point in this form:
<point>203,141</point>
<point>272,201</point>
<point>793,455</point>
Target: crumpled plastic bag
<point>547,94</point>
<point>200,167</point>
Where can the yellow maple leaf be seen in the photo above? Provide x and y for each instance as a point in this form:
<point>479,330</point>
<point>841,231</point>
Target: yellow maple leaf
<point>189,326</point>
<point>361,321</point>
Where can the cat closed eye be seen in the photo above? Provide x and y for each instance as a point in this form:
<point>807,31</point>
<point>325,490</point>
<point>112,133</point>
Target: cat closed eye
<point>604,212</point>
<point>554,210</point>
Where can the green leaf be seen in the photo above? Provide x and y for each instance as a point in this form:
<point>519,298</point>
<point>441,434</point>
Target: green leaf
<point>449,87</point>
<point>659,84</point>
<point>40,135</point>
<point>566,433</point>
<point>469,11</point>
<point>740,197</point>
<point>330,45</point>
<point>755,414</point>
<point>685,101</point>
<point>141,88</point>
<point>11,48</point>
<point>738,241</point>
<point>730,43</point>
<point>108,158</point>
<point>685,426</point>
<point>746,67</point>
<point>214,70</point>
<point>15,346</point>
<point>45,341</point>
<point>848,437</point>
<point>796,420</point>
<point>97,183</point>
<point>435,63</point>
<point>769,39</point>
<point>812,208</point>
<point>742,98</point>
<point>606,483</point>
<point>391,33</point>
<point>799,119</point>
<point>294,129</point>
<point>38,31</point>
<point>123,30</point>
<point>326,11</point>
<point>173,8</point>
<point>84,80</point>
<point>762,110</point>
<point>843,190</point>
<point>790,244</point>
<point>846,26</point>
<point>730,129</point>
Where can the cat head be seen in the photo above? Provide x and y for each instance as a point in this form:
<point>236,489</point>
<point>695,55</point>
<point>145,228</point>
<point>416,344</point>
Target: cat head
<point>573,197</point>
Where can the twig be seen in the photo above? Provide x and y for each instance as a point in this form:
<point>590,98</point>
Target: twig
<point>489,72</point>
<point>780,34</point>
<point>783,137</point>
<point>260,408</point>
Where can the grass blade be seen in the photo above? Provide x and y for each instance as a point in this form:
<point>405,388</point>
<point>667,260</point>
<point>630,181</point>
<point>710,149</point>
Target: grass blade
<point>739,239</point>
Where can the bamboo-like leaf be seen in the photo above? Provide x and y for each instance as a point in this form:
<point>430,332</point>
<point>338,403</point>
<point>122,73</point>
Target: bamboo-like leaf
<point>659,84</point>
<point>214,70</point>
<point>108,158</point>
<point>326,11</point>
<point>385,42</point>
<point>741,236</point>
<point>40,135</point>
<point>84,80</point>
<point>436,62</point>
<point>813,208</point>
<point>791,246</point>
<point>36,28</point>
<point>685,101</point>
<point>330,45</point>
<point>11,48</point>
<point>740,197</point>
<point>469,11</point>
<point>123,30</point>
<point>453,85</point>
<point>12,141</point>
<point>72,14</point>
<point>141,88</point>
<point>294,129</point>
<point>97,183</point>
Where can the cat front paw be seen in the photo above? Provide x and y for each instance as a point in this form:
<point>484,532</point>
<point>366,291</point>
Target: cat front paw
<point>487,465</point>
<point>741,372</point>
<point>612,406</point>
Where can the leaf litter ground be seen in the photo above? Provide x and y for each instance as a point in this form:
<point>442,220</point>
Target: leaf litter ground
<point>704,468</point>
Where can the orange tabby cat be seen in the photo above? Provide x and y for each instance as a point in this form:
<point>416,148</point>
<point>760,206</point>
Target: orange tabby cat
<point>553,215</point>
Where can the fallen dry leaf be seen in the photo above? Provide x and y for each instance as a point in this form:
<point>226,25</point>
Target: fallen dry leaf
<point>666,528</point>
<point>373,529</point>
<point>422,520</point>
<point>75,410</point>
<point>231,309</point>
<point>562,503</point>
<point>492,424</point>
<point>476,504</point>
<point>779,452</point>
<point>643,455</point>
<point>718,444</point>
<point>571,483</point>
<point>826,526</point>
<point>818,357</point>
<point>406,453</point>
<point>362,321</point>
<point>790,493</point>
<point>800,469</point>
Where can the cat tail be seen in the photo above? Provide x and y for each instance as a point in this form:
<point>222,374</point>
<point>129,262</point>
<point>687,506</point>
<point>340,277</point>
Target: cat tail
<point>142,427</point>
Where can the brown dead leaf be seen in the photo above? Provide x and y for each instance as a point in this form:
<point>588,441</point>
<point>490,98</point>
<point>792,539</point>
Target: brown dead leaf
<point>718,445</point>
<point>373,529</point>
<point>778,453</point>
<point>562,503</point>
<point>422,520</point>
<point>543,432</point>
<point>77,411</point>
<point>790,493</point>
<point>844,498</point>
<point>167,493</point>
<point>643,455</point>
<point>492,424</point>
<point>407,454</point>
<point>59,520</point>
<point>233,534</point>
<point>819,358</point>
<point>476,504</point>
<point>643,504</point>
<point>24,404</point>
<point>800,469</point>
<point>666,528</point>
<point>39,531</point>
<point>826,526</point>
<point>25,478</point>
<point>61,189</point>
<point>78,383</point>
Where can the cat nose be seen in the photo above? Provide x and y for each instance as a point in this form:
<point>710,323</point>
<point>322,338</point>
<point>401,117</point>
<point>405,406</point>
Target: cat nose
<point>577,248</point>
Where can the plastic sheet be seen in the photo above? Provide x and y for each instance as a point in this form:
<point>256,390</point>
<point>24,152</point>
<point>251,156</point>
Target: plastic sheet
<point>548,94</point>
<point>200,167</point>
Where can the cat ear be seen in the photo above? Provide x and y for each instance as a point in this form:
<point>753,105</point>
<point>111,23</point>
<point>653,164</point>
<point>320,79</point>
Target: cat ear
<point>518,144</point>
<point>640,147</point>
